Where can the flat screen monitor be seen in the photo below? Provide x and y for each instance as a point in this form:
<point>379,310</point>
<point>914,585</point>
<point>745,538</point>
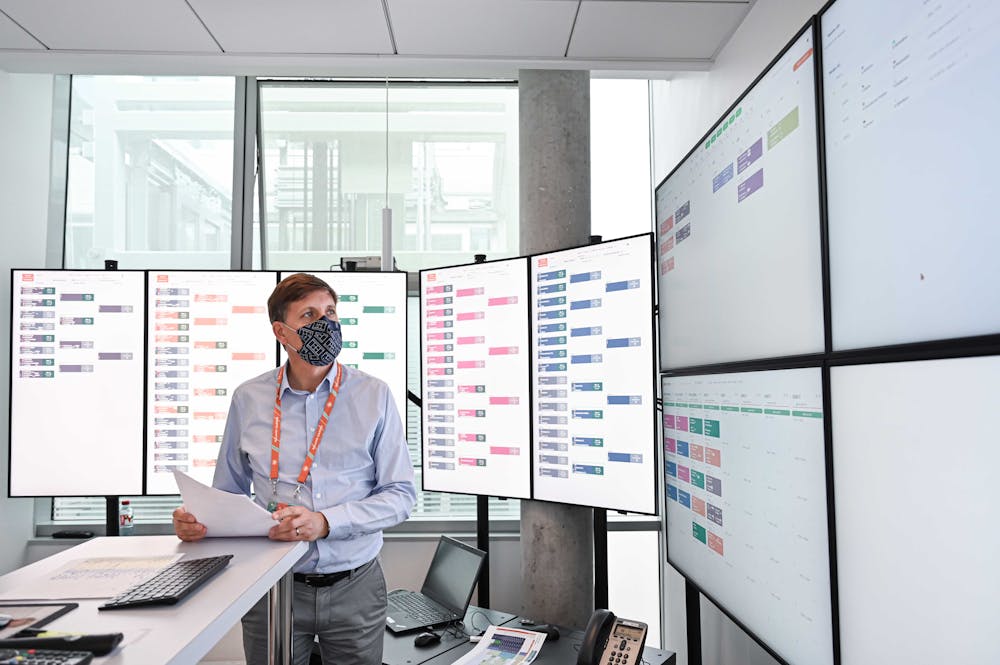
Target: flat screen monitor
<point>910,91</point>
<point>372,311</point>
<point>593,385</point>
<point>76,383</point>
<point>915,458</point>
<point>474,378</point>
<point>738,225</point>
<point>208,332</point>
<point>745,472</point>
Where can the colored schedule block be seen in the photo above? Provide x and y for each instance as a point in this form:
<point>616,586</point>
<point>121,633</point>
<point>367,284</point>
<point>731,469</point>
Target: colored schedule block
<point>503,401</point>
<point>750,185</point>
<point>592,441</point>
<point>586,331</point>
<point>556,340</point>
<point>552,314</point>
<point>713,485</point>
<point>671,492</point>
<point>588,414</point>
<point>683,233</point>
<point>547,354</point>
<point>699,532</point>
<point>504,300</point>
<point>378,309</point>
<point>783,128</point>
<point>684,498</point>
<point>713,456</point>
<point>587,358</point>
<point>558,287</point>
<point>683,448</point>
<point>550,275</point>
<point>667,224</point>
<point>683,473</point>
<point>629,458</point>
<point>712,428</point>
<point>470,316</point>
<point>504,450</point>
<point>682,212</point>
<point>672,469</point>
<point>682,423</point>
<point>698,479</point>
<point>694,425</point>
<point>670,445</point>
<point>724,176</point>
<point>750,155</point>
<point>471,461</point>
<point>471,364</point>
<point>592,303</point>
<point>715,543</point>
<point>589,469</point>
<point>627,400</point>
<point>624,342</point>
<point>669,421</point>
<point>552,367</point>
<point>698,505</point>
<point>551,327</point>
<point>585,276</point>
<point>503,350</point>
<point>474,291</point>
<point>697,452</point>
<point>622,286</point>
<point>715,514</point>
<point>473,339</point>
<point>552,302</point>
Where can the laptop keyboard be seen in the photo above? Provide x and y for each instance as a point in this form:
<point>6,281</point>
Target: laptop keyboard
<point>419,608</point>
<point>170,584</point>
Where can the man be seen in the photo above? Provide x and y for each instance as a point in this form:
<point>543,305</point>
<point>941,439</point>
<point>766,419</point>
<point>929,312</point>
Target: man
<point>356,481</point>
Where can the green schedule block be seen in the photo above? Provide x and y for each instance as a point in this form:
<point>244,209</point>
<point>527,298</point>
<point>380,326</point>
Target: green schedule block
<point>378,309</point>
<point>712,407</point>
<point>712,428</point>
<point>777,412</point>
<point>734,409</point>
<point>698,531</point>
<point>807,414</point>
<point>698,479</point>
<point>350,345</point>
<point>348,297</point>
<point>785,126</point>
<point>378,355</point>
<point>351,321</point>
<point>750,409</point>
<point>695,425</point>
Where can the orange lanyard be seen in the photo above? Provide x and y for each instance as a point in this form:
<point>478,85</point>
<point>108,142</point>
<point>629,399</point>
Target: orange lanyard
<point>317,437</point>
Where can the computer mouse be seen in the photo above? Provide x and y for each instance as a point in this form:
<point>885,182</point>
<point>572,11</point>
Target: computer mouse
<point>426,639</point>
<point>551,632</point>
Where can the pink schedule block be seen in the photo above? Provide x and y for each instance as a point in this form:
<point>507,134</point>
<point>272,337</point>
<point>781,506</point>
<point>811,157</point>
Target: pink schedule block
<point>697,452</point>
<point>475,339</point>
<point>506,300</point>
<point>668,421</point>
<point>471,364</point>
<point>438,360</point>
<point>437,335</point>
<point>469,389</point>
<point>436,371</point>
<point>475,291</point>
<point>715,543</point>
<point>505,400</point>
<point>682,423</point>
<point>436,301</point>
<point>468,437</point>
<point>470,316</point>
<point>684,473</point>
<point>431,348</point>
<point>466,413</point>
<point>434,324</point>
<point>435,289</point>
<point>713,456</point>
<point>471,461</point>
<point>503,350</point>
<point>670,445</point>
<point>435,312</point>
<point>504,450</point>
<point>698,505</point>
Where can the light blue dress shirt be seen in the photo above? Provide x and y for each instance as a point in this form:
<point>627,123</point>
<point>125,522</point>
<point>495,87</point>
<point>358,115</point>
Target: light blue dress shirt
<point>361,478</point>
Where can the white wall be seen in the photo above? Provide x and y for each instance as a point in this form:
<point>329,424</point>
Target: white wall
<point>25,134</point>
<point>683,109</point>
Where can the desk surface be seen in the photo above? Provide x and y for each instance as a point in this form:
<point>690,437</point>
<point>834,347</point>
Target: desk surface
<point>170,635</point>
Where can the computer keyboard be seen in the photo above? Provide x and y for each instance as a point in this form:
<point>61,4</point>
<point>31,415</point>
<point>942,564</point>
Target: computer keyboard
<point>44,657</point>
<point>170,584</point>
<point>418,607</point>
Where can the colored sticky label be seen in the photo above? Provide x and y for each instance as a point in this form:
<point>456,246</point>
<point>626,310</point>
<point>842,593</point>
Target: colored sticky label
<point>668,421</point>
<point>750,185</point>
<point>750,155</point>
<point>683,473</point>
<point>713,485</point>
<point>715,543</point>
<point>724,176</point>
<point>670,445</point>
<point>698,479</point>
<point>671,492</point>
<point>683,448</point>
<point>697,452</point>
<point>783,128</point>
<point>684,498</point>
<point>699,532</point>
<point>715,514</point>
<point>698,505</point>
<point>672,469</point>
<point>713,456</point>
<point>682,423</point>
<point>712,428</point>
<point>694,425</point>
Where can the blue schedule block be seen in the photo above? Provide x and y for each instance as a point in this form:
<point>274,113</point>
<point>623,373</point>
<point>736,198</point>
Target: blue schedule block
<point>625,399</point>
<point>551,420</point>
<point>624,342</point>
<point>587,358</point>
<point>592,441</point>
<point>558,287</point>
<point>588,414</point>
<point>672,469</point>
<point>554,433</point>
<point>552,341</point>
<point>552,353</point>
<point>552,473</point>
<point>593,386</point>
<point>552,314</point>
<point>551,327</point>
<point>552,380</point>
<point>552,302</point>
<point>625,457</point>
<point>671,492</point>
<point>589,469</point>
<point>593,303</point>
<point>622,286</point>
<point>552,367</point>
<point>585,276</point>
<point>550,275</point>
<point>684,498</point>
<point>558,393</point>
<point>683,448</point>
<point>586,332</point>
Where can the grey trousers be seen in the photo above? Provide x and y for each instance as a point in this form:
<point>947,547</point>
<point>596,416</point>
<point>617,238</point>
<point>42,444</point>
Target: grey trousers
<point>348,617</point>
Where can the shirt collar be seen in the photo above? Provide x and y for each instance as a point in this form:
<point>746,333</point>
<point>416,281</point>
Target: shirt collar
<point>328,380</point>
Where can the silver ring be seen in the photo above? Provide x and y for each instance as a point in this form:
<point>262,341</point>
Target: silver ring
<point>297,531</point>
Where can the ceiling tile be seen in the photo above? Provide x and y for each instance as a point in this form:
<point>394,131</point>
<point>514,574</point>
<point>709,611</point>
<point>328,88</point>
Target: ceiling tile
<point>482,28</point>
<point>13,37</point>
<point>112,25</point>
<point>296,26</point>
<point>640,29</point>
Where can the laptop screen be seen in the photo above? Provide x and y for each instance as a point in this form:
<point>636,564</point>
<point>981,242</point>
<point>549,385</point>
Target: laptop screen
<point>453,574</point>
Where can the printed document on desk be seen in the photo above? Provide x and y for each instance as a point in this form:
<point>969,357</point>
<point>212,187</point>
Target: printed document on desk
<point>222,513</point>
<point>504,646</point>
<point>100,577</point>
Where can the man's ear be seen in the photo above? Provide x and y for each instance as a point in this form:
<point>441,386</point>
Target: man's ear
<point>280,332</point>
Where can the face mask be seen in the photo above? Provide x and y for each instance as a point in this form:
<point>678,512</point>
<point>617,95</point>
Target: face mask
<point>321,341</point>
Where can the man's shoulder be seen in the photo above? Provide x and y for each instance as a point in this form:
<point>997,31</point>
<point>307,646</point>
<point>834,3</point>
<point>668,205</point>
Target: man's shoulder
<point>358,379</point>
<point>266,379</point>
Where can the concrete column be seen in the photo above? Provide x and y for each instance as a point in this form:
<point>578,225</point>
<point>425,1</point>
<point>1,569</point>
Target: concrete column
<point>557,541</point>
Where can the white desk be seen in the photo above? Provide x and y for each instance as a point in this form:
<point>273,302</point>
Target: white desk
<point>181,634</point>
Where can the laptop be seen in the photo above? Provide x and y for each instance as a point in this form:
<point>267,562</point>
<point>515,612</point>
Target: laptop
<point>447,589</point>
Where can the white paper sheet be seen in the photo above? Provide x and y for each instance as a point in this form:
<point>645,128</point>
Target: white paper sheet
<point>100,577</point>
<point>222,513</point>
<point>504,646</point>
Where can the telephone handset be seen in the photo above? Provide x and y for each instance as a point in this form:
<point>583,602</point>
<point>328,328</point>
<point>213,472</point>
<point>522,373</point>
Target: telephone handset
<point>609,640</point>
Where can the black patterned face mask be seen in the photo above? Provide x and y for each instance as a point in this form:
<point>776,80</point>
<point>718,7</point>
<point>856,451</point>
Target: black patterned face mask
<point>321,341</point>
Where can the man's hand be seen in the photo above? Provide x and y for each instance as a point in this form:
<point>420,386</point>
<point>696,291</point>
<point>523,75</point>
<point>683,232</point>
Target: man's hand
<point>187,527</point>
<point>298,523</point>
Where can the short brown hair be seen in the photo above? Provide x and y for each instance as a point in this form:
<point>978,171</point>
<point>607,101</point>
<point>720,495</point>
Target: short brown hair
<point>292,288</point>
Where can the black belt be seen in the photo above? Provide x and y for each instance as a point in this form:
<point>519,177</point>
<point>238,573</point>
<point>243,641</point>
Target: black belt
<point>326,579</point>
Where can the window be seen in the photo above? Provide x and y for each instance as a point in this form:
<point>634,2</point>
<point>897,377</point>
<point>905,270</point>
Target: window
<point>150,173</point>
